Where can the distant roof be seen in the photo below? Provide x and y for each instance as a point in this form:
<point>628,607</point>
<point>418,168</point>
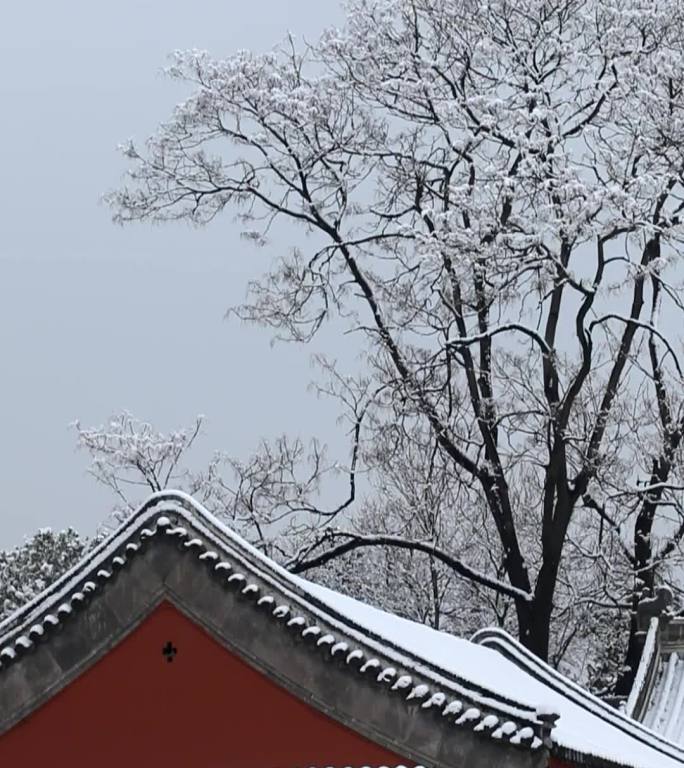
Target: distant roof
<point>492,688</point>
<point>657,697</point>
<point>665,713</point>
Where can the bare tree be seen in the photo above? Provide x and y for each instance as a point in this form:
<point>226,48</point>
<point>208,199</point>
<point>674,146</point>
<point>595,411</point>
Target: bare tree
<point>128,453</point>
<point>494,194</point>
<point>263,496</point>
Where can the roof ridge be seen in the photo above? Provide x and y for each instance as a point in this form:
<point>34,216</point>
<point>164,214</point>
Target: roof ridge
<point>94,555</point>
<point>516,652</point>
<point>175,514</point>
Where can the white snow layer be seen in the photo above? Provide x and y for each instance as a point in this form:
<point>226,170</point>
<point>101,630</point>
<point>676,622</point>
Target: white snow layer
<point>576,729</point>
<point>611,736</point>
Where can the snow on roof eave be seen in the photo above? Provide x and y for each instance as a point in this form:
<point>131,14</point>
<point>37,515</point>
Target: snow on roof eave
<point>94,557</point>
<point>513,650</point>
<point>34,620</point>
<point>144,515</point>
<point>198,516</point>
<point>642,686</point>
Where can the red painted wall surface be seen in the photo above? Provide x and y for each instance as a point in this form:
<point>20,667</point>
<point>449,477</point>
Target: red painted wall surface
<point>205,709</point>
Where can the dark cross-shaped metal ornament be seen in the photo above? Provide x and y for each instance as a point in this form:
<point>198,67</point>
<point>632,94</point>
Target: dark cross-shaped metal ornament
<point>169,651</point>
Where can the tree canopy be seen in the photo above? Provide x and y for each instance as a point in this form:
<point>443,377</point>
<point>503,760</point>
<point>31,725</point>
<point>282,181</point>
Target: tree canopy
<point>493,196</point>
<point>27,569</point>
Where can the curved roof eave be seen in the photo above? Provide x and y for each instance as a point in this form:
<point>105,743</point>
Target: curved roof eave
<point>588,731</point>
<point>327,623</point>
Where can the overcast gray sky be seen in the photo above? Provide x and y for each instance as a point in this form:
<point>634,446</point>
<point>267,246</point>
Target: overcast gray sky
<point>95,318</point>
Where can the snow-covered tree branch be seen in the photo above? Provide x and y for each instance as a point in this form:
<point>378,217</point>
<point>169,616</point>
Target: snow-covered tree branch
<point>29,568</point>
<point>495,194</point>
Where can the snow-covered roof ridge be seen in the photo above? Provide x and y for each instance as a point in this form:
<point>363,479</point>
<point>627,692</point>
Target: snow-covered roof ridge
<point>321,617</point>
<point>644,677</point>
<point>599,710</point>
<point>495,690</point>
<point>657,696</point>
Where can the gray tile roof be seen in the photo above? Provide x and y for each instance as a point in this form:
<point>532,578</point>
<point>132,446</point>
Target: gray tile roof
<point>173,549</point>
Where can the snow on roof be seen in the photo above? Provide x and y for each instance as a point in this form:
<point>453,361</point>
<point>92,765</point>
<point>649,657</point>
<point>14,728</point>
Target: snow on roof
<point>657,696</point>
<point>493,685</point>
<point>665,711</point>
<point>177,518</point>
<point>643,679</point>
<point>586,727</point>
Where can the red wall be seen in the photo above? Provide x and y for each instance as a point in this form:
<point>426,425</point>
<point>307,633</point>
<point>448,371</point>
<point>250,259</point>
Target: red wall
<point>206,709</point>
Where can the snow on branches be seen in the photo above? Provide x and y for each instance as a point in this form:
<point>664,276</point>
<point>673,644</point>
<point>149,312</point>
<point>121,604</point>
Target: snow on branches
<point>128,453</point>
<point>29,568</point>
<point>495,191</point>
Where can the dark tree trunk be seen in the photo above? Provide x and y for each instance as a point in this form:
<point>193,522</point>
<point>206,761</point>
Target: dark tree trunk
<point>534,618</point>
<point>536,633</point>
<point>625,678</point>
<point>644,579</point>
